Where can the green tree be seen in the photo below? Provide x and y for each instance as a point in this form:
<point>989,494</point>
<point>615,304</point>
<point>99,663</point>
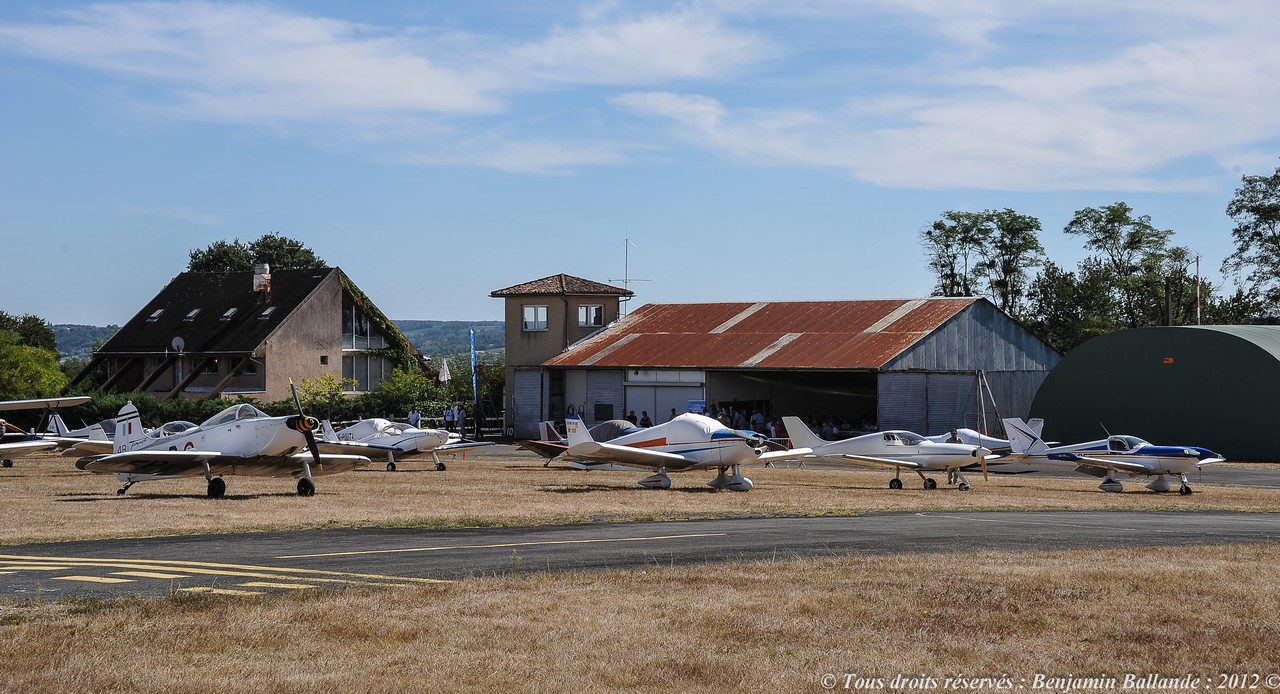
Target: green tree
<point>1009,250</point>
<point>31,330</point>
<point>1068,308</point>
<point>1130,249</point>
<point>26,371</point>
<point>324,393</point>
<point>405,389</point>
<point>280,252</point>
<point>1256,211</point>
<point>952,245</point>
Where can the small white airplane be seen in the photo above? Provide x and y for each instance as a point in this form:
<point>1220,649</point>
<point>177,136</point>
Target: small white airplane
<point>897,449</point>
<point>688,442</point>
<point>240,440</point>
<point>15,442</point>
<point>1114,455</point>
<point>383,439</point>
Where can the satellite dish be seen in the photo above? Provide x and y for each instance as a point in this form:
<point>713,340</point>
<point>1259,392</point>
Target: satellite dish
<point>179,344</point>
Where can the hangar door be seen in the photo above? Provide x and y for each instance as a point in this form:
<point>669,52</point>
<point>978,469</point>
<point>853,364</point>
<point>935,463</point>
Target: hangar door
<point>526,403</point>
<point>927,403</point>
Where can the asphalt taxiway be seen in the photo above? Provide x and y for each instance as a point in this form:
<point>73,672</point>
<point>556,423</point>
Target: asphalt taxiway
<point>253,563</point>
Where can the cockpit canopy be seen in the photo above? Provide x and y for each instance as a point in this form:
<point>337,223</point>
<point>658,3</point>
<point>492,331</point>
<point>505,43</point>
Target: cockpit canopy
<point>234,414</point>
<point>1125,444</point>
<point>170,429</point>
<point>902,438</point>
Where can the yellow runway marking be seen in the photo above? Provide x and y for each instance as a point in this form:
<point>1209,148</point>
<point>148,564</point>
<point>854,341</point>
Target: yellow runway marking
<point>265,584</point>
<point>148,574</point>
<point>214,569</point>
<point>219,591</point>
<point>93,579</point>
<point>37,567</point>
<point>502,545</point>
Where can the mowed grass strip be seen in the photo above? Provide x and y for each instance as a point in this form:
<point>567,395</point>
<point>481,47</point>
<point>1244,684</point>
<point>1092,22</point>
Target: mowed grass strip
<point>760,627</point>
<point>47,499</point>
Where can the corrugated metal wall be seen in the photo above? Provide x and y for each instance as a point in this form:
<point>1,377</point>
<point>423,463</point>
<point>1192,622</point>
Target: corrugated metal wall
<point>927,403</point>
<point>604,388</point>
<point>980,337</point>
<point>529,395</point>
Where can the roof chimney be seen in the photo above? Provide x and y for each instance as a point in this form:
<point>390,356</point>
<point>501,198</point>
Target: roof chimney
<point>262,281</point>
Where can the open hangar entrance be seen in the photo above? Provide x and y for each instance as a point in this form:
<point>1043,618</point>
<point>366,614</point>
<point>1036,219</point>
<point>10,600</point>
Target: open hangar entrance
<point>843,394</point>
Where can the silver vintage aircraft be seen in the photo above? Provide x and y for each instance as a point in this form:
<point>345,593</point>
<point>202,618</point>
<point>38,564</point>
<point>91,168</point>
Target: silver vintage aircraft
<point>240,440</point>
<point>15,442</point>
<point>897,449</point>
<point>383,439</point>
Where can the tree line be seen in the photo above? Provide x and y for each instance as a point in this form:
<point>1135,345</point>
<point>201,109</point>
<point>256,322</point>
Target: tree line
<point>1134,275</point>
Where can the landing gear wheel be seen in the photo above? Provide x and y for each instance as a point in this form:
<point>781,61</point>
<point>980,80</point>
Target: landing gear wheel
<point>391,467</point>
<point>440,467</point>
<point>963,486</point>
<point>895,483</point>
<point>217,488</point>
<point>930,483</point>
<point>1184,489</point>
<point>120,491</point>
<point>306,487</point>
<point>6,463</point>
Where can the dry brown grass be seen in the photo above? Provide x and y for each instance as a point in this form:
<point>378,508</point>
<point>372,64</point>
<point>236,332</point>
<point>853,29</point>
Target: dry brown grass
<point>47,499</point>
<point>764,627</point>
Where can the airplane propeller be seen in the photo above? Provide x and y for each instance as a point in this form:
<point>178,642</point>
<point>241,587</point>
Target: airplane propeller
<point>306,425</point>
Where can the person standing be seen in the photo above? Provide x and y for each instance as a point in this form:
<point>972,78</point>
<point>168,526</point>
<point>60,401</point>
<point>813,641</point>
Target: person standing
<point>414,416</point>
<point>644,419</point>
<point>460,418</point>
<point>448,418</point>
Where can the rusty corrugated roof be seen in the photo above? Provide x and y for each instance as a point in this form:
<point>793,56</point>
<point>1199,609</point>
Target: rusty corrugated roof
<point>767,335</point>
<point>561,284</point>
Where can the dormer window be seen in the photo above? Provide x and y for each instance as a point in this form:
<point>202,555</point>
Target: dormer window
<point>192,315</point>
<point>266,312</point>
<point>230,312</point>
<point>155,316</point>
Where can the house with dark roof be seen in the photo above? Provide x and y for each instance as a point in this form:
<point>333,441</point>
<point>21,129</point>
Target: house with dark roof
<point>543,318</point>
<point>229,334</point>
<point>925,365</point>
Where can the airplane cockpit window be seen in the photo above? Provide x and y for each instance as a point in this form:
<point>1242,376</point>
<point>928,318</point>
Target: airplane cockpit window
<point>910,439</point>
<point>892,440</point>
<point>170,428</point>
<point>233,413</point>
<point>1124,444</point>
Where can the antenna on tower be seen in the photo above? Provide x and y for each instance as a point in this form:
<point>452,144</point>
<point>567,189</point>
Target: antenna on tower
<point>627,279</point>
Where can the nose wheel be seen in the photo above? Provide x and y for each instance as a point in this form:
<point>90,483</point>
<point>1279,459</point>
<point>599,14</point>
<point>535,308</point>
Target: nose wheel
<point>306,487</point>
<point>895,483</point>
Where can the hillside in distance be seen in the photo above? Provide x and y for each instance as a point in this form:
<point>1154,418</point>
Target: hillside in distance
<point>450,337</point>
<point>429,336</point>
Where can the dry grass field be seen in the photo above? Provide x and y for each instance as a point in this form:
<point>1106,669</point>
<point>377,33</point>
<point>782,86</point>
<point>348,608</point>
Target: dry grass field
<point>761,627</point>
<point>767,627</point>
<point>46,498</point>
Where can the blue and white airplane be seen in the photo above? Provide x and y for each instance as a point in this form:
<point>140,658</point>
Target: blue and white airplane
<point>1114,455</point>
<point>688,442</point>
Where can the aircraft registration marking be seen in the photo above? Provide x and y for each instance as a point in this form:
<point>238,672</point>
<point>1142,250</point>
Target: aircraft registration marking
<point>93,579</point>
<point>502,545</point>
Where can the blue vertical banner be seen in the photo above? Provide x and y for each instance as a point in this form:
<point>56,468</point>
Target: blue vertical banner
<point>475,391</point>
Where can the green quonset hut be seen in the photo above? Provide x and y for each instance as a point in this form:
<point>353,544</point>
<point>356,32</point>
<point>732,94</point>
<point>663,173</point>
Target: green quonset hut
<point>1212,386</point>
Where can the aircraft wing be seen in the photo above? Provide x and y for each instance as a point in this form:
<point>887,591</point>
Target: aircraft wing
<point>790,454</point>
<point>1111,464</point>
<point>628,455</point>
<point>546,449</point>
<point>191,464</point>
<point>17,448</point>
<point>865,461</point>
<point>359,448</point>
<point>84,447</point>
<point>43,402</point>
<point>460,445</point>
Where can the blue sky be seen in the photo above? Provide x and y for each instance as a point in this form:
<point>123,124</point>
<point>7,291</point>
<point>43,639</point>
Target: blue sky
<point>750,150</point>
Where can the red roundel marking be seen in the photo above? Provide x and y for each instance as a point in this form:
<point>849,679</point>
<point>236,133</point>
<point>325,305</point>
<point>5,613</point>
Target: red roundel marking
<point>189,446</point>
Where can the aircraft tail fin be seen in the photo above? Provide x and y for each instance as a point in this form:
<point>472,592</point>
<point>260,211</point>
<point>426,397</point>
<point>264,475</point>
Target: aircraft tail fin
<point>327,433</point>
<point>1025,437</point>
<point>800,435</point>
<point>547,432</point>
<point>56,425</point>
<point>128,428</point>
<point>576,431</point>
